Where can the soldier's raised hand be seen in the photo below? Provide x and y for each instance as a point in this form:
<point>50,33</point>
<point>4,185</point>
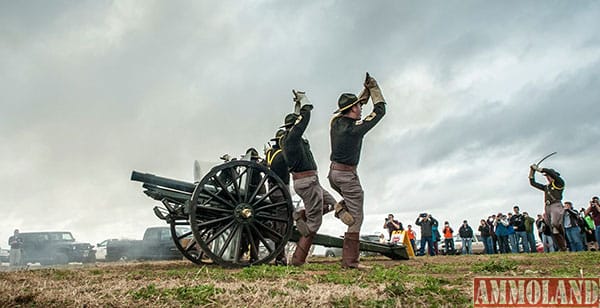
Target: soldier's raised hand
<point>370,82</point>
<point>300,97</point>
<point>374,90</point>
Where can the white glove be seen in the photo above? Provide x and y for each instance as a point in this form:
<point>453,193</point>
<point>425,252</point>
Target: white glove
<point>536,168</point>
<point>300,96</point>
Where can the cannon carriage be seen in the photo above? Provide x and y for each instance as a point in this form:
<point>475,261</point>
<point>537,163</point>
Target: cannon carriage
<point>239,213</point>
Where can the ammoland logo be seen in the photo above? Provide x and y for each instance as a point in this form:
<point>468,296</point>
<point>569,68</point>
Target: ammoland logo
<point>535,292</point>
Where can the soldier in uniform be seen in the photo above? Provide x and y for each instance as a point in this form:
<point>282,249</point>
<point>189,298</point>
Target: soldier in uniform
<point>301,163</point>
<point>553,210</point>
<point>347,132</point>
<point>276,162</point>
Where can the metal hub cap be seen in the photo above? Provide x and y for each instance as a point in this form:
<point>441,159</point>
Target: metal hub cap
<point>244,211</point>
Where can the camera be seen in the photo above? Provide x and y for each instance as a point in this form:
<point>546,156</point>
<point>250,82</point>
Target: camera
<point>423,215</point>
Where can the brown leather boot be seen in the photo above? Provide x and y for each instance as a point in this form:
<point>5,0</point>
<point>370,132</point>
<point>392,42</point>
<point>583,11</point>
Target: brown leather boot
<point>302,248</point>
<point>351,251</point>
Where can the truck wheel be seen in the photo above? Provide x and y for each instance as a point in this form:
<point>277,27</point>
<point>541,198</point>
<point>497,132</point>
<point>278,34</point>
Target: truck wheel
<point>61,258</point>
<point>90,259</point>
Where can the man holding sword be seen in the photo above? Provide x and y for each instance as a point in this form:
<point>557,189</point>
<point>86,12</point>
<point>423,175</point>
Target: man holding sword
<point>553,209</point>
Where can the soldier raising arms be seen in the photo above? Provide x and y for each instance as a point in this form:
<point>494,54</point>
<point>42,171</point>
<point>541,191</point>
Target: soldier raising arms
<point>301,163</point>
<point>347,132</point>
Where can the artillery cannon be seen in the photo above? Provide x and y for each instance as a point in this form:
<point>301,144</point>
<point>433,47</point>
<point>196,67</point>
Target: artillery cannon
<point>240,214</point>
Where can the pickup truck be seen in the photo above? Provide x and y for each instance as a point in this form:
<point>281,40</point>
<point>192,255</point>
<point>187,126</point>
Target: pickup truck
<point>156,244</point>
<point>57,247</point>
<point>4,254</point>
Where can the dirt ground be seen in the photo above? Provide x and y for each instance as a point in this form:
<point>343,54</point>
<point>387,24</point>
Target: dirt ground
<point>419,282</point>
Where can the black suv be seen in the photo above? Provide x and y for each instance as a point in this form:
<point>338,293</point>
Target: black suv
<point>55,248</point>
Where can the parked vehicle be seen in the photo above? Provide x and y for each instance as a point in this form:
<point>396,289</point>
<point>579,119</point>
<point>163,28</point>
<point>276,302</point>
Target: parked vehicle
<point>156,244</point>
<point>55,248</point>
<point>101,249</point>
<point>4,254</point>
<point>337,252</point>
<point>477,246</point>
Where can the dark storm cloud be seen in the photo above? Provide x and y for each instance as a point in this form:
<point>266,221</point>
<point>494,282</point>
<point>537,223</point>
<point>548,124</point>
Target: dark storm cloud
<point>564,114</point>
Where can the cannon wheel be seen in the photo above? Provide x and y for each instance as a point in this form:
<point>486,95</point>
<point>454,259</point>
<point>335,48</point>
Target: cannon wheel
<point>238,216</point>
<point>186,243</point>
<point>181,232</point>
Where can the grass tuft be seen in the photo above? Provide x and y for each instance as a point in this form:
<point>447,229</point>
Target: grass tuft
<point>495,265</point>
<point>187,295</point>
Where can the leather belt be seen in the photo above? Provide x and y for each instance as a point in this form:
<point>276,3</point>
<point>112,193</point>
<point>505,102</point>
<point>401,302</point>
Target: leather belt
<point>303,174</point>
<point>342,167</point>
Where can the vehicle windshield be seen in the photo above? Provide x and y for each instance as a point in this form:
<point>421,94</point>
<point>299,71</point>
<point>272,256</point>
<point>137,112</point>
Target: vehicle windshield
<point>61,236</point>
<point>48,236</point>
<point>183,230</point>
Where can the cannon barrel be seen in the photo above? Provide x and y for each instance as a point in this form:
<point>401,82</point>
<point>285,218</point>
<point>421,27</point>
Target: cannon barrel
<point>163,182</point>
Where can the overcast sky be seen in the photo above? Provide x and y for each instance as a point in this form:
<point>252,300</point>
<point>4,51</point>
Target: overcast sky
<point>476,92</point>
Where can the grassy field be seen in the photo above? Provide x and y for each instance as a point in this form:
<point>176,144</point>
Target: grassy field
<point>420,282</point>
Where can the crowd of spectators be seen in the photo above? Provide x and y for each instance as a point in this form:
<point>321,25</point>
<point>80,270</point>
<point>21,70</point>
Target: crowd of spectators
<point>513,232</point>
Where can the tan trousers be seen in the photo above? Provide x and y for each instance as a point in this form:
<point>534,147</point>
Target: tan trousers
<point>554,216</point>
<point>311,192</point>
<point>347,184</point>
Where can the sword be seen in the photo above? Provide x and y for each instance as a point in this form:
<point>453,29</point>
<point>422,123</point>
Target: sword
<point>545,157</point>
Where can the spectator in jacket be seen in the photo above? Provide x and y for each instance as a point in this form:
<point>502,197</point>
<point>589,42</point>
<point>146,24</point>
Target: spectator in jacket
<point>529,223</point>
<point>537,225</point>
<point>466,235</point>
<point>392,225</point>
<point>572,230</point>
<point>490,223</point>
<point>435,238</point>
<point>484,231</point>
<point>517,221</point>
<point>590,238</point>
<point>501,225</point>
<point>412,236</point>
<point>512,239</point>
<point>585,229</point>
<point>448,238</point>
<point>546,232</point>
<point>594,211</point>
<point>16,243</point>
<point>426,222</point>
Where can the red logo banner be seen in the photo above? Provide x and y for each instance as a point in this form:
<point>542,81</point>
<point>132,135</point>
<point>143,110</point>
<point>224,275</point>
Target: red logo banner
<point>536,292</point>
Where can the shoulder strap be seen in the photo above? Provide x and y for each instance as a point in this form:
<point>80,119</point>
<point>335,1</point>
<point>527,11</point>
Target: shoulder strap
<point>271,156</point>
